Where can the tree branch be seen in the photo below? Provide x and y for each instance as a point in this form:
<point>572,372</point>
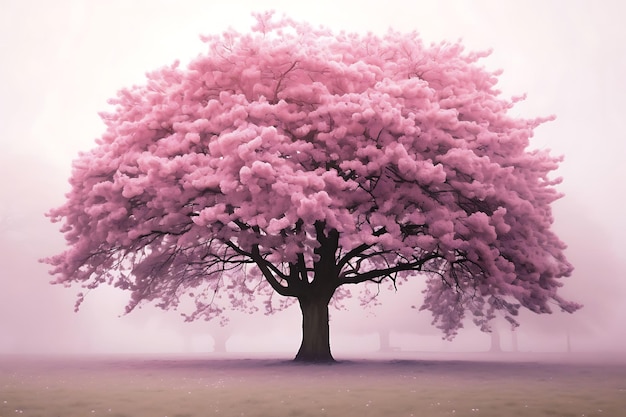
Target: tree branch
<point>267,268</point>
<point>358,250</point>
<point>380,273</point>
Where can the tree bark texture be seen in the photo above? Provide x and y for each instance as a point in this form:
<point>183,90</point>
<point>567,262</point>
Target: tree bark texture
<point>315,346</point>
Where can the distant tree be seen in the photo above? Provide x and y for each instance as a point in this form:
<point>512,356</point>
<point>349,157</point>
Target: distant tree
<point>298,161</point>
<point>386,312</point>
<point>598,279</point>
<point>25,236</point>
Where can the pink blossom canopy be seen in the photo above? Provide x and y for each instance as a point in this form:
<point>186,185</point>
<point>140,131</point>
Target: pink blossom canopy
<point>228,177</point>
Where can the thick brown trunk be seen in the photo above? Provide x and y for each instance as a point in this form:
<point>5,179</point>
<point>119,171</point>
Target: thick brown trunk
<point>315,296</point>
<point>315,345</point>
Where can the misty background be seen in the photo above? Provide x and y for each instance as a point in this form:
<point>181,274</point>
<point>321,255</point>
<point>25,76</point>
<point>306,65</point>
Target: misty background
<point>62,60</point>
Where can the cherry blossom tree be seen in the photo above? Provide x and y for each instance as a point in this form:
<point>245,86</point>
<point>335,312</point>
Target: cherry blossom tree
<point>296,161</point>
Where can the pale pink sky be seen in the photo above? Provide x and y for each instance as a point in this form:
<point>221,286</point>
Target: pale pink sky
<point>62,60</point>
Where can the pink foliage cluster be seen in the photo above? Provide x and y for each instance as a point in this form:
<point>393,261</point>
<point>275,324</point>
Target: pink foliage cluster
<point>258,150</point>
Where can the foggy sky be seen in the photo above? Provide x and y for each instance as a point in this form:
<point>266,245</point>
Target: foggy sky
<point>62,60</point>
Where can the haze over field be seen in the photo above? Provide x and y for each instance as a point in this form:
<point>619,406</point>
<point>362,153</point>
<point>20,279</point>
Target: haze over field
<point>63,60</point>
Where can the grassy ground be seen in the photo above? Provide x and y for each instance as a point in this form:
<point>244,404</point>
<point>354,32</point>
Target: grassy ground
<point>175,387</point>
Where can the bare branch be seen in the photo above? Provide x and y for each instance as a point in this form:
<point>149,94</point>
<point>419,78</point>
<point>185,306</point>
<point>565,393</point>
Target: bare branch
<point>375,274</point>
<point>267,268</point>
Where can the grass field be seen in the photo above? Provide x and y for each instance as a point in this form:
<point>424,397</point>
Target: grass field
<point>194,387</point>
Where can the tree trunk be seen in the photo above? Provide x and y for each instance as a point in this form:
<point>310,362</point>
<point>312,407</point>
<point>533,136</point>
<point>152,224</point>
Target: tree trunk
<point>383,338</point>
<point>495,341</point>
<point>514,341</point>
<point>220,338</point>
<point>315,345</point>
